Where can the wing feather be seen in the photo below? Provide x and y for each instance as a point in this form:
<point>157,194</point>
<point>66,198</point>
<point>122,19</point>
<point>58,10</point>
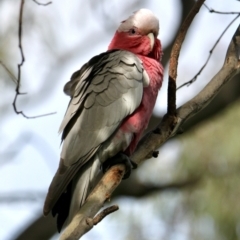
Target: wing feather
<point>106,90</point>
<point>117,87</point>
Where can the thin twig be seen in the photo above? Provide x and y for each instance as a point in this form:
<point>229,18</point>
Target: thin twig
<point>171,110</point>
<point>100,216</point>
<point>19,68</point>
<point>37,116</point>
<point>42,4</point>
<point>211,10</point>
<point>188,83</point>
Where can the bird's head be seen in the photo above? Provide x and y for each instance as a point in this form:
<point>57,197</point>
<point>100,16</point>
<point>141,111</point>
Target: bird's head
<point>138,34</point>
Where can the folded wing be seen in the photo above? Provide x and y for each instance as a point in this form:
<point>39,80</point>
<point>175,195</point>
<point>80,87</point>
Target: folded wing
<point>103,93</point>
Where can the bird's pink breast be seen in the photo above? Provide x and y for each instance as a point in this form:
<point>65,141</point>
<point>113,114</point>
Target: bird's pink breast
<point>138,121</point>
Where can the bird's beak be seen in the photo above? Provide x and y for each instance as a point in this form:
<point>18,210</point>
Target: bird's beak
<point>152,40</point>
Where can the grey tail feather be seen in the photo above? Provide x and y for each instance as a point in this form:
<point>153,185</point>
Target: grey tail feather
<point>83,182</point>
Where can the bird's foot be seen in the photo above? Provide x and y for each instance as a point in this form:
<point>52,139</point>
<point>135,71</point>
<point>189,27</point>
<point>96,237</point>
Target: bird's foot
<point>120,158</point>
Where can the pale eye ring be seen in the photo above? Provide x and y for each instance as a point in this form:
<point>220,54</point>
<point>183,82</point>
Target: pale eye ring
<point>132,31</point>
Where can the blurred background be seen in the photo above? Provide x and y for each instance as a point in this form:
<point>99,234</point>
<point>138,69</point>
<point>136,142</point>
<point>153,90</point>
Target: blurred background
<point>190,192</point>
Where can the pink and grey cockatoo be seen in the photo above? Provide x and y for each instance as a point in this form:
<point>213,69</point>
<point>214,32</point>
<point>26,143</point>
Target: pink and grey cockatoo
<point>112,98</point>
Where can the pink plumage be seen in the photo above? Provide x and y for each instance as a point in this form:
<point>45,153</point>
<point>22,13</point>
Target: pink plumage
<point>139,44</point>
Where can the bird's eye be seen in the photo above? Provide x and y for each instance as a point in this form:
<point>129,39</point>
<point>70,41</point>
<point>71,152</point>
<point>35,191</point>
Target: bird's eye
<point>132,31</point>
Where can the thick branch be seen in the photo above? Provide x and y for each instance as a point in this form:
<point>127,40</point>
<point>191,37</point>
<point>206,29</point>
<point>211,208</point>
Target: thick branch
<point>173,64</point>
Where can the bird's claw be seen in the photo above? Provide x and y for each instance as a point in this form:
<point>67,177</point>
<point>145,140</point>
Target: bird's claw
<point>120,158</point>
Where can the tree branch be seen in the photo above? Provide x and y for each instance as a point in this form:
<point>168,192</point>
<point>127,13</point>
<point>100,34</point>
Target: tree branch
<point>173,64</point>
<point>95,201</point>
<point>230,68</point>
<point>100,216</point>
<point>20,66</point>
<point>211,10</point>
<point>189,82</point>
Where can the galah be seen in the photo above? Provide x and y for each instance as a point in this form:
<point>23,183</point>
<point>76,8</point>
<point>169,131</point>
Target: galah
<point>112,98</point>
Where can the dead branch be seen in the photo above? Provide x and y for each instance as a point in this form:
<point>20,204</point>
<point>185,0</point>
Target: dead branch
<point>17,90</point>
<point>171,110</point>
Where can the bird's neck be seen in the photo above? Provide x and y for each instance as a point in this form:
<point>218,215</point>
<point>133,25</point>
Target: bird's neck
<point>154,70</point>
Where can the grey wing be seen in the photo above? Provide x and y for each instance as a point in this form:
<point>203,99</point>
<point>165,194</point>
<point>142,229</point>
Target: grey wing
<point>114,92</point>
<point>102,96</point>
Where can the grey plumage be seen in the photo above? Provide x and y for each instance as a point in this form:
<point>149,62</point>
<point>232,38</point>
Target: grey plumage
<point>103,92</point>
